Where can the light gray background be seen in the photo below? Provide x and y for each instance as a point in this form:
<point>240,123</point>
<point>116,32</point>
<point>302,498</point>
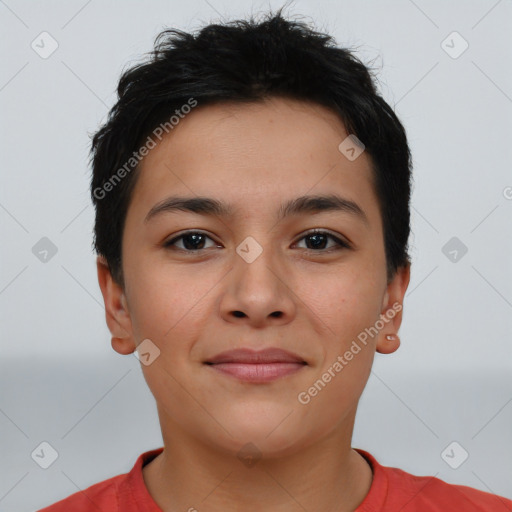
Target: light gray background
<point>61,382</point>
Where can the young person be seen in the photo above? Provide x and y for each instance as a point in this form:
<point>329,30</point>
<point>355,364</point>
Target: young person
<point>252,198</point>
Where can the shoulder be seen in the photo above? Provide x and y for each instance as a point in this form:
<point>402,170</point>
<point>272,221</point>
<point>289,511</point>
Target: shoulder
<point>433,494</point>
<point>102,495</point>
<point>395,489</point>
<point>126,492</point>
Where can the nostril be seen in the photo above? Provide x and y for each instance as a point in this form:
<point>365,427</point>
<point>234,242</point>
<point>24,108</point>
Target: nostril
<point>238,314</point>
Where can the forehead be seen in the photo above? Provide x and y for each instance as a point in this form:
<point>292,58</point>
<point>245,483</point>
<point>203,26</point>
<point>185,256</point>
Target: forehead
<point>253,156</point>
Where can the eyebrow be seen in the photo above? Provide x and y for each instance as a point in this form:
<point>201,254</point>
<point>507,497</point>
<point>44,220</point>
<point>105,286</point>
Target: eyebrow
<point>298,206</point>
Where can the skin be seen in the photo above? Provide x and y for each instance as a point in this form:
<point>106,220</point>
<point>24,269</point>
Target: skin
<point>254,156</point>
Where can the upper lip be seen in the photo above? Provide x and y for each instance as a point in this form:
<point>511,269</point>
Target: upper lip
<point>249,356</point>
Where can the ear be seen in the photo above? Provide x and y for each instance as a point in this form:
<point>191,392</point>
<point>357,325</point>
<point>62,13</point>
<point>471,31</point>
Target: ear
<point>116,310</point>
<point>392,310</point>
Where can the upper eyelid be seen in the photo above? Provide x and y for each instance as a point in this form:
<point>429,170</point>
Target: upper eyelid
<point>339,239</point>
<point>188,232</point>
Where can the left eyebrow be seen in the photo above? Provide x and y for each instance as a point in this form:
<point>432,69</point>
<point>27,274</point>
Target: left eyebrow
<point>298,206</point>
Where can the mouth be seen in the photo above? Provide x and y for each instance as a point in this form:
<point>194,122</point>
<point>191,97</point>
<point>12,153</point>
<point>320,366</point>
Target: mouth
<point>257,366</point>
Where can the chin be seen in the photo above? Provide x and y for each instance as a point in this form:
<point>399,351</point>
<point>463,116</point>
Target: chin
<point>270,437</point>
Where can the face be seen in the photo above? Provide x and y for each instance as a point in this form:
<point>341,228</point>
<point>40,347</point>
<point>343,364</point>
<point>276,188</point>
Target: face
<point>199,283</point>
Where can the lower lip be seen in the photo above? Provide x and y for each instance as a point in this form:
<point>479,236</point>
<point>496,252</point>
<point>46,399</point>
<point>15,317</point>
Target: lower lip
<point>261,372</point>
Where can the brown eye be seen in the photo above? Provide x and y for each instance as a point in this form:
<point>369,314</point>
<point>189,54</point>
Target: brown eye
<point>192,241</point>
<point>317,240</point>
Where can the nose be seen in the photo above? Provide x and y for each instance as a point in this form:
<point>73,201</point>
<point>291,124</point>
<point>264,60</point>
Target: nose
<point>257,293</point>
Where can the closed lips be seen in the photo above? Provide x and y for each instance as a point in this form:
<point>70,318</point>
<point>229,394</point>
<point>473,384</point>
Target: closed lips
<point>248,356</point>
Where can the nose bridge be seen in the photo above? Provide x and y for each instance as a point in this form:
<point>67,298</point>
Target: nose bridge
<point>254,264</point>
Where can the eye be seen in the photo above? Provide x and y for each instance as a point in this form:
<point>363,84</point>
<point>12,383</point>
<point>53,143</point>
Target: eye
<point>319,238</point>
<point>192,241</point>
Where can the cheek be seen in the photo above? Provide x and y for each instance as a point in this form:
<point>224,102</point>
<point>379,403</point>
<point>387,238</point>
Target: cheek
<point>346,302</point>
<point>355,305</point>
<point>166,304</point>
<point>348,307</point>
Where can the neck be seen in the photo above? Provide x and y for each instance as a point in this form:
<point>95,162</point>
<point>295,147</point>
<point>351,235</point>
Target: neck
<point>327,475</point>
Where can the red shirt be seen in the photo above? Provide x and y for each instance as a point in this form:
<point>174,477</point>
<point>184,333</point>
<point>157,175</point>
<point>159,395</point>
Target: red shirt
<point>392,490</point>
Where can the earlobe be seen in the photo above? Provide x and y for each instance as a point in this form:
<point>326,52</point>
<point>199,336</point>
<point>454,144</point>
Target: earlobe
<point>389,344</point>
<point>388,340</point>
<point>116,310</point>
<point>122,346</point>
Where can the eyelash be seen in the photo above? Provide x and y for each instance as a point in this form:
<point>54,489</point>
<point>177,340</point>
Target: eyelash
<point>341,244</point>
